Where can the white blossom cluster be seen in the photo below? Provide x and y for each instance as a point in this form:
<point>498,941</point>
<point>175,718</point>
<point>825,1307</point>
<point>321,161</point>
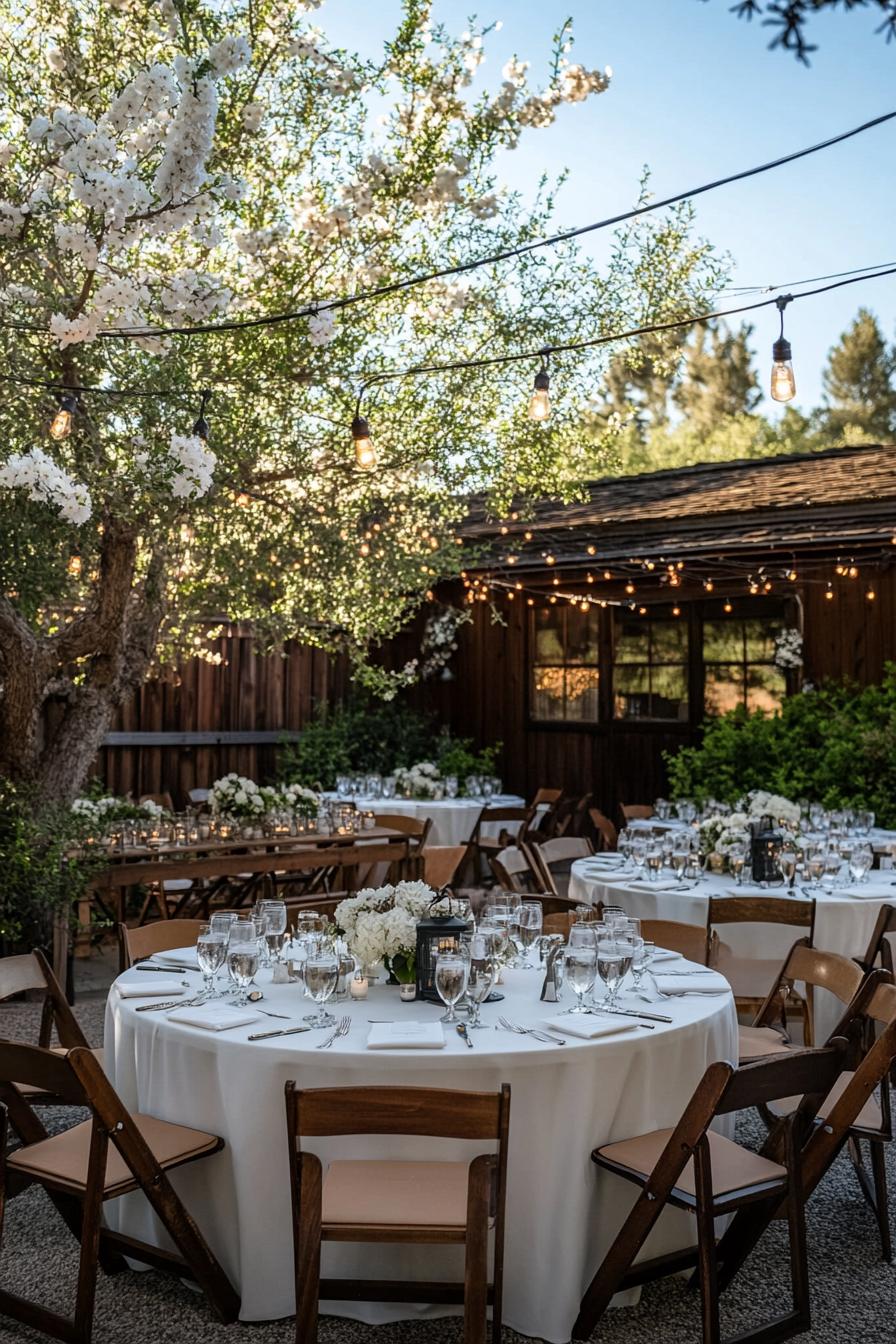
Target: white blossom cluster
<point>293,798</point>
<point>418,781</point>
<point>789,648</point>
<point>760,803</point>
<point>322,327</point>
<point>47,483</point>
<point>194,465</point>
<point>440,639</point>
<point>236,796</point>
<point>538,110</point>
<point>381,922</point>
<point>108,808</point>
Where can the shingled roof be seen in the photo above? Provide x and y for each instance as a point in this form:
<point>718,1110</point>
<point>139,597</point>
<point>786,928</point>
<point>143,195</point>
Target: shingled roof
<point>798,502</point>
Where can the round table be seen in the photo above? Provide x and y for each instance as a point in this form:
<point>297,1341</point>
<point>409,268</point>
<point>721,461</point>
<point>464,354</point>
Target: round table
<point>453,819</point>
<point>561,1214</point>
<point>844,922</point>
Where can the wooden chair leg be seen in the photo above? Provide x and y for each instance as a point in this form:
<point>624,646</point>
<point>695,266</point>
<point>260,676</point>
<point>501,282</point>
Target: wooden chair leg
<point>796,1227</point>
<point>91,1225</point>
<point>635,1231</point>
<point>307,1248</point>
<point>706,1247</point>
<point>476,1255</point>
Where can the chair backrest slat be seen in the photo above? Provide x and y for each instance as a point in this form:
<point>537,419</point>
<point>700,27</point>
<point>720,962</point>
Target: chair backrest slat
<point>395,821</point>
<point>810,1073</point>
<point>163,936</point>
<point>564,848</point>
<point>43,1069</point>
<point>761,910</point>
<point>688,939</point>
<point>878,945</point>
<point>19,974</point>
<point>840,976</point>
<point>434,1112</point>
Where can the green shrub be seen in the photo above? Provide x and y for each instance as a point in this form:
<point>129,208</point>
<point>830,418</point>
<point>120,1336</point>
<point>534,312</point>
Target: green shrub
<point>835,745</point>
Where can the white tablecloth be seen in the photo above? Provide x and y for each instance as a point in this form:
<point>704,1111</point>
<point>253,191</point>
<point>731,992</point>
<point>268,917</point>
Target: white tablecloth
<point>842,923</point>
<point>561,1214</point>
<point>453,819</point>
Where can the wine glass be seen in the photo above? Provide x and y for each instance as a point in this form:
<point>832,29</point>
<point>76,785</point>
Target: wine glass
<point>273,924</point>
<point>242,956</point>
<point>321,973</point>
<point>222,922</point>
<point>737,857</point>
<point>531,923</point>
<point>579,969</point>
<point>787,856</point>
<point>654,860</point>
<point>642,955</point>
<point>483,973</point>
<point>639,855</point>
<point>211,948</point>
<point>609,967</point>
<point>452,974</point>
<point>860,861</point>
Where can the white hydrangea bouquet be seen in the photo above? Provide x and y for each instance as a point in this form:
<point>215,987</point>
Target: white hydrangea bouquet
<point>292,798</point>
<point>104,810</point>
<point>380,925</point>
<point>760,803</point>
<point>419,781</point>
<point>238,797</point>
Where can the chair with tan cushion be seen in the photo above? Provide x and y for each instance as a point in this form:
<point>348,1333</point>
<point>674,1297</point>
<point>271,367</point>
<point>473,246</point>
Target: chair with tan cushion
<point>814,969</point>
<point>700,1171</point>
<point>688,939</point>
<point>443,1203</point>
<point>514,869</point>
<point>165,936</point>
<point>111,1154</point>
<point>604,829</point>
<point>441,864</point>
<point>553,860</point>
<point>751,978</point>
<point>31,973</point>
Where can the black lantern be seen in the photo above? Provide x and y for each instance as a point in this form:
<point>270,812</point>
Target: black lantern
<point>435,934</point>
<point>764,849</point>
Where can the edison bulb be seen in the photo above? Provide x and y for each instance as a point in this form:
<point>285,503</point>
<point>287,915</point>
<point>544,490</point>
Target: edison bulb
<point>783,381</point>
<point>540,401</point>
<point>365,452</point>
<point>61,424</point>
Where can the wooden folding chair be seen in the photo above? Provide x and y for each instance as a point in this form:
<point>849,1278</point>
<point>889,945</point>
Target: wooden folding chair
<point>441,864</point>
<point>558,912</point>
<point>751,978</point>
<point>135,944</point>
<point>635,812</point>
<point>688,939</point>
<point>543,811</point>
<point>691,1167</point>
<point>604,829</point>
<point>31,973</point>
<point>553,860</point>
<point>512,823</point>
<point>879,947</point>
<point>825,1141</point>
<point>441,1203</point>
<point>417,830</point>
<point>816,969</point>
<point>514,869</point>
<point>111,1154</point>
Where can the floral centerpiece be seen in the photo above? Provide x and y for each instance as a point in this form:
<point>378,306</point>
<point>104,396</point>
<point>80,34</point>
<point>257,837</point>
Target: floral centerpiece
<point>238,797</point>
<point>292,798</point>
<point>760,803</point>
<point>419,781</point>
<point>380,925</point>
<point>102,810</point>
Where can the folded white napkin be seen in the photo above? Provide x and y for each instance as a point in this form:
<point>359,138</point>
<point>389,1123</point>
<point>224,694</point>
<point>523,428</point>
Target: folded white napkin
<point>666,954</point>
<point>661,884</point>
<point>747,889</point>
<point>179,956</point>
<point>214,1017</point>
<point>698,983</point>
<point>138,989</point>
<point>589,1027</point>
<point>608,875</point>
<point>869,891</point>
<point>406,1036</point>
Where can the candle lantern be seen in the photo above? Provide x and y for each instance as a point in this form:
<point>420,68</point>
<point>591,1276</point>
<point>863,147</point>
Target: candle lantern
<point>764,849</point>
<point>435,934</point>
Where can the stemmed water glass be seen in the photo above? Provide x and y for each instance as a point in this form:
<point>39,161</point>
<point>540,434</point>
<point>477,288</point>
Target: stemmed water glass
<point>273,924</point>
<point>452,974</point>
<point>860,861</point>
<point>321,974</point>
<point>610,966</point>
<point>211,949</point>
<point>642,955</point>
<point>737,857</point>
<point>483,972</point>
<point>579,970</point>
<point>242,956</point>
<point>531,924</point>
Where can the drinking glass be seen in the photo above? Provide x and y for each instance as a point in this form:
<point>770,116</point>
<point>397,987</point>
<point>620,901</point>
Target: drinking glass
<point>452,974</point>
<point>501,935</point>
<point>242,956</point>
<point>473,786</point>
<point>642,955</point>
<point>609,966</point>
<point>579,969</point>
<point>832,864</point>
<point>273,924</point>
<point>221,923</point>
<point>531,922</point>
<point>860,861</point>
<point>483,973</point>
<point>639,854</point>
<point>321,973</point>
<point>388,786</point>
<point>451,786</point>
<point>211,948</point>
<point>681,852</point>
<point>737,856</point>
<point>787,863</point>
<point>814,868</point>
<point>654,860</point>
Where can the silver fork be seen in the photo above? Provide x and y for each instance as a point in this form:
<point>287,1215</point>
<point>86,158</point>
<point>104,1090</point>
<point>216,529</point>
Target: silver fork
<point>341,1030</point>
<point>170,1003</point>
<point>530,1031</point>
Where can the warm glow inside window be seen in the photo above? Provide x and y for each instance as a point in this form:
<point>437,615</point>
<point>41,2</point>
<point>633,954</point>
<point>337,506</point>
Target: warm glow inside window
<point>564,670</point>
<point>650,665</point>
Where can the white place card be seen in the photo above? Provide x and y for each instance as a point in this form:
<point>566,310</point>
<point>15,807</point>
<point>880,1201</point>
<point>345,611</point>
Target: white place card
<point>588,1027</point>
<point>214,1017</point>
<point>406,1036</point>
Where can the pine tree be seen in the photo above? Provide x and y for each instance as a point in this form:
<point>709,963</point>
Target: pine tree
<point>717,379</point>
<point>859,382</point>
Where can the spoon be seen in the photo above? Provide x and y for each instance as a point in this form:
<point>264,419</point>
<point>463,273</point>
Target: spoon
<point>464,1034</point>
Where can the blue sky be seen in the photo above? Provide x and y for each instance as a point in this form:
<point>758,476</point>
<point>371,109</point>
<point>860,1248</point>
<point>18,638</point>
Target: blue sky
<point>696,95</point>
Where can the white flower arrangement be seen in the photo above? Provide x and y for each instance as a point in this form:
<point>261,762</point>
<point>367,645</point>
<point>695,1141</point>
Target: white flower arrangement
<point>760,803</point>
<point>440,639</point>
<point>106,809</point>
<point>789,648</point>
<point>236,796</point>
<point>418,781</point>
<point>380,923</point>
<point>295,798</point>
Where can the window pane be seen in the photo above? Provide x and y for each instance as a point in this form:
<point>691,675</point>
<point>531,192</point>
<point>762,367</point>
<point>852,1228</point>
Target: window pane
<point>724,688</point>
<point>766,688</point>
<point>631,692</point>
<point>548,693</point>
<point>549,635</point>
<point>669,693</point>
<point>581,635</point>
<point>632,639</point>
<point>723,641</point>
<point>669,641</point>
<point>760,634</point>
<point>581,694</point>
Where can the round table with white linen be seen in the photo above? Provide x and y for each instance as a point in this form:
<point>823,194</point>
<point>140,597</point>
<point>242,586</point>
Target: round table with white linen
<point>844,918</point>
<point>453,819</point>
<point>561,1213</point>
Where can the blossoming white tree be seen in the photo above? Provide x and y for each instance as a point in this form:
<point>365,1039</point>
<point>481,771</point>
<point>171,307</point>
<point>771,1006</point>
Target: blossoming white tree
<point>183,163</point>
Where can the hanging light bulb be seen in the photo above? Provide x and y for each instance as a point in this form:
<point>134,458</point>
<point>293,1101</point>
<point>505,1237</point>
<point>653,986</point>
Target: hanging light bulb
<point>365,453</point>
<point>783,382</point>
<point>540,400</point>
<point>74,566</point>
<point>61,424</point>
<point>728,608</point>
<point>200,425</point>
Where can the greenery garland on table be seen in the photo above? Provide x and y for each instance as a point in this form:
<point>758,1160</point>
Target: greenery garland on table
<point>835,744</point>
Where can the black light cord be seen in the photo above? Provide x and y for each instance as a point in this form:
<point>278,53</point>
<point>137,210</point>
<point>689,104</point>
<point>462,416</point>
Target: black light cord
<point>462,268</point>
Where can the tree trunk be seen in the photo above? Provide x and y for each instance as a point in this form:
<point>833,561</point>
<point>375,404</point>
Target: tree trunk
<point>64,763</point>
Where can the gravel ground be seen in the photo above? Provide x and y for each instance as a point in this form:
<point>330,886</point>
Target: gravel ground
<point>854,1292</point>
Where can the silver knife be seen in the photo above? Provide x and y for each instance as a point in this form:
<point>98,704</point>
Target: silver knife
<point>627,1012</point>
<point>283,1031</point>
<point>170,1003</point>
